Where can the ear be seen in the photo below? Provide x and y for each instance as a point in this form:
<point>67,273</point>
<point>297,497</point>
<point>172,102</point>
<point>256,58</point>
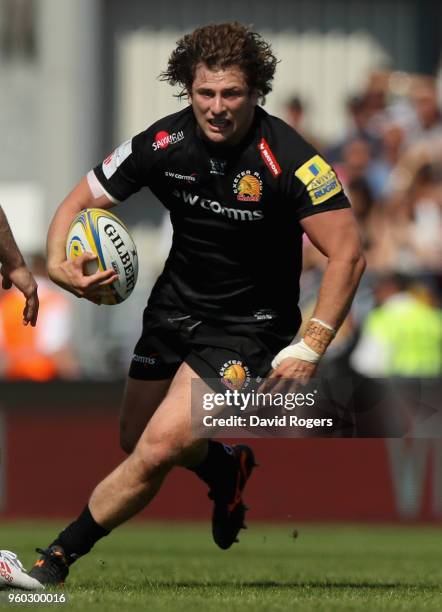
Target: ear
<point>254,96</point>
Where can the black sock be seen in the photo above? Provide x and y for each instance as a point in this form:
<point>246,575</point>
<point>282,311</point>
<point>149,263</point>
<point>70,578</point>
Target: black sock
<point>219,464</point>
<point>79,537</point>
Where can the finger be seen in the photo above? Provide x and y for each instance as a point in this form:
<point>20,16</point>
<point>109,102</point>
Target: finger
<point>34,311</point>
<point>269,385</point>
<point>283,386</point>
<point>30,311</point>
<point>266,385</point>
<point>94,300</point>
<point>109,281</point>
<point>98,288</point>
<point>98,280</point>
<point>86,256</point>
<point>6,283</point>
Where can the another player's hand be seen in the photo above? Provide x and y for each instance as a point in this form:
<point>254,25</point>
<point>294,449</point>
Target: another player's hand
<point>72,276</point>
<point>22,278</point>
<point>290,372</point>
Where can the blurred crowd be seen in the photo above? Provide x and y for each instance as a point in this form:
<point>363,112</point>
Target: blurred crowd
<point>390,164</point>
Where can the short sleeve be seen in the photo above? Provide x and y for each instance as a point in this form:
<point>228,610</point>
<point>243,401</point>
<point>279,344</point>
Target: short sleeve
<point>310,183</point>
<point>127,168</point>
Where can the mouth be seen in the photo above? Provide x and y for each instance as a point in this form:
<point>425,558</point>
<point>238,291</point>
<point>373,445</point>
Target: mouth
<point>218,125</point>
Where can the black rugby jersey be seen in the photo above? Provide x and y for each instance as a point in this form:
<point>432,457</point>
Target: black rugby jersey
<point>237,244</point>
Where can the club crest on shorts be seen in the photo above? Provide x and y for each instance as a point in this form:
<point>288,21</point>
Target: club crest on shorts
<point>247,186</point>
<point>234,374</point>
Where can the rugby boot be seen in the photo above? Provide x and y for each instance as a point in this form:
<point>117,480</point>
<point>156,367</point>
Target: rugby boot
<point>52,567</point>
<point>13,574</point>
<point>229,509</point>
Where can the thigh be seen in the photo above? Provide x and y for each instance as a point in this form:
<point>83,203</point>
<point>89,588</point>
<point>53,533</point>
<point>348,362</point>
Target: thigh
<point>140,401</point>
<point>157,356</point>
<point>171,423</point>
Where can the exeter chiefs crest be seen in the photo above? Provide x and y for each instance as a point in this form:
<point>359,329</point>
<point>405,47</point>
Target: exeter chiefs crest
<point>247,186</point>
<point>235,375</point>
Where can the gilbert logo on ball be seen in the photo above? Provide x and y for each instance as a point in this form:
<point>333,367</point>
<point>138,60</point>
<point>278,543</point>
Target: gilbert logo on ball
<point>100,232</point>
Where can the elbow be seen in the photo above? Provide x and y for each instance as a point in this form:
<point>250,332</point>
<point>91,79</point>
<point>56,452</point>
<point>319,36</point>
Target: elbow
<point>353,260</point>
<point>357,264</point>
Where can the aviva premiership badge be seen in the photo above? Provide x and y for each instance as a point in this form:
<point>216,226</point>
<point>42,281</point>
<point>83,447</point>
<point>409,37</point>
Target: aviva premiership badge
<point>319,178</point>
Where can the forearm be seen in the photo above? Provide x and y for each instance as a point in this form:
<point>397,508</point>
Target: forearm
<point>10,254</point>
<point>336,235</point>
<point>79,199</point>
<point>339,283</point>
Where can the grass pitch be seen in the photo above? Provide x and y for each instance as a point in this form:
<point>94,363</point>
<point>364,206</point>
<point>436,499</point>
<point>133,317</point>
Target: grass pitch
<point>176,567</point>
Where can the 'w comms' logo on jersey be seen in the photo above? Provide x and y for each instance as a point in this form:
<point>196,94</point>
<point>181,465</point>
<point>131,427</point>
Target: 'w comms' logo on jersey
<point>163,139</point>
<point>268,157</point>
<point>217,208</point>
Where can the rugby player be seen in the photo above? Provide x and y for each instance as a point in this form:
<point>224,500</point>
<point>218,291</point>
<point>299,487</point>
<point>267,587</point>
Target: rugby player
<point>15,272</point>
<point>242,187</point>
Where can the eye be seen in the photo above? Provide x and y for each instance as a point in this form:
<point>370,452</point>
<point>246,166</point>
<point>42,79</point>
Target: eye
<point>232,93</point>
<point>206,93</point>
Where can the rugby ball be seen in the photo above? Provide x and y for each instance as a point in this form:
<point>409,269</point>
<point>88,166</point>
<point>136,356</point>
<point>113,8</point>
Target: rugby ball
<point>100,232</point>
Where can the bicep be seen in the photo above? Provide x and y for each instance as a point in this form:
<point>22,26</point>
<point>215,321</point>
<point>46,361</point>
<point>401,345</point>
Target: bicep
<point>78,199</point>
<point>334,232</point>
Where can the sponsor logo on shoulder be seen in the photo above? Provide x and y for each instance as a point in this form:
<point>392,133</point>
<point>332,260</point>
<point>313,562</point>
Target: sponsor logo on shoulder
<point>247,186</point>
<point>146,360</point>
<point>235,374</point>
<point>217,208</point>
<point>218,166</point>
<point>163,139</point>
<point>188,178</point>
<point>319,178</point>
<point>116,158</point>
<point>268,158</point>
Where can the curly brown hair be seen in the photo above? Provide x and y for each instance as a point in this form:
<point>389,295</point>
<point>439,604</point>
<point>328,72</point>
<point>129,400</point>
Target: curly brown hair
<point>220,46</point>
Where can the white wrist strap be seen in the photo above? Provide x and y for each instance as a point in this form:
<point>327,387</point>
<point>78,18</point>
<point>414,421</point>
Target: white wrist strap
<point>297,351</point>
<point>324,324</point>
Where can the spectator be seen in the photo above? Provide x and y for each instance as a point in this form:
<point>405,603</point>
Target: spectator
<point>401,337</point>
<point>425,102</point>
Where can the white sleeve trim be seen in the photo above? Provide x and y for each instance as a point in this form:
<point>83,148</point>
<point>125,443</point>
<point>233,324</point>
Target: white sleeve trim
<point>97,188</point>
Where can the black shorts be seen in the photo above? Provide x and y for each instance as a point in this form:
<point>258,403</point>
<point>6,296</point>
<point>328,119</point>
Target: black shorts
<point>233,354</point>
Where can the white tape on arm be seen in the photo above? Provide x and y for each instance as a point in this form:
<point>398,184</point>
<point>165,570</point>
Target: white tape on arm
<point>296,351</point>
<point>97,188</point>
<point>324,324</point>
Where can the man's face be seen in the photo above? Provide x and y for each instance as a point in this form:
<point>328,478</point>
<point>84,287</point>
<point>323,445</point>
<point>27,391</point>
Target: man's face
<point>222,103</point>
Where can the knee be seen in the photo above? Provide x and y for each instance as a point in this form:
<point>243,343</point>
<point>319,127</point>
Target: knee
<point>154,457</point>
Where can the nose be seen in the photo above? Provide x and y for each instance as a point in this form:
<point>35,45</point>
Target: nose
<point>217,107</point>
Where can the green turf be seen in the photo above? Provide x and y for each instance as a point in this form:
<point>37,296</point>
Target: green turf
<point>177,567</point>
